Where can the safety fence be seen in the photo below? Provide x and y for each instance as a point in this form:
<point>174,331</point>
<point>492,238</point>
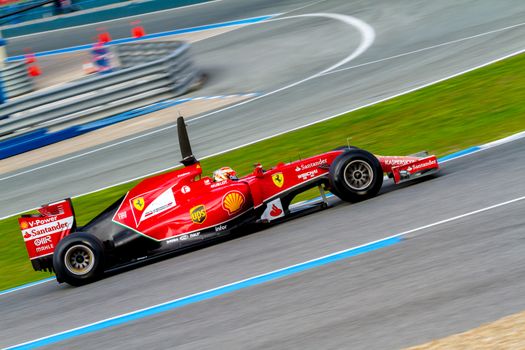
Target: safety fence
<point>15,80</point>
<point>133,54</point>
<point>101,96</point>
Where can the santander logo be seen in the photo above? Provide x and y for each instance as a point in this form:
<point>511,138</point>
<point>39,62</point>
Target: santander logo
<point>428,163</point>
<point>276,211</point>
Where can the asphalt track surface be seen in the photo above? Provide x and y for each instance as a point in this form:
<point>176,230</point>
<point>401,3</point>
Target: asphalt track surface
<point>442,280</point>
<point>268,56</point>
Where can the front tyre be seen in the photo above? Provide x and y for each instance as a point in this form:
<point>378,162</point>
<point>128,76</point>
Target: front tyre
<point>78,259</point>
<point>356,175</point>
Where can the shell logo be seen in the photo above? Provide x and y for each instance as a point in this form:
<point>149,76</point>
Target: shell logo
<point>24,225</point>
<point>233,201</point>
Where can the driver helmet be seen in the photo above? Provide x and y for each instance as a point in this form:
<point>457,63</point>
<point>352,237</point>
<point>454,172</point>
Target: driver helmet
<point>224,173</point>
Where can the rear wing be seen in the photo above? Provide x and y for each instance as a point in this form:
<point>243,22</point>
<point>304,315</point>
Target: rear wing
<point>42,232</point>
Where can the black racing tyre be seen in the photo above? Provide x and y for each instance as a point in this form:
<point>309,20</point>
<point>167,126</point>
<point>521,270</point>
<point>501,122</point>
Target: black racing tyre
<point>78,259</point>
<point>355,175</point>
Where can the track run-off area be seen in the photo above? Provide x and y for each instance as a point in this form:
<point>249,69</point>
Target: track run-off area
<point>453,257</point>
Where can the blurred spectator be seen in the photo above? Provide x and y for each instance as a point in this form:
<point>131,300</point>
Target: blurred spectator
<point>63,6</point>
<point>101,58</point>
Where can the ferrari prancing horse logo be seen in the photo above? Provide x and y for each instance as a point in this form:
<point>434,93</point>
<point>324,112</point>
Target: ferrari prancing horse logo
<point>138,203</point>
<point>278,179</point>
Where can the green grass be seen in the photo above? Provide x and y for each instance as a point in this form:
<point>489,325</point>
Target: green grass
<point>471,109</point>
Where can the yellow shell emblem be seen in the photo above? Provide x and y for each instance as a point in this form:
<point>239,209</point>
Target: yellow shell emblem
<point>233,202</point>
<point>24,225</point>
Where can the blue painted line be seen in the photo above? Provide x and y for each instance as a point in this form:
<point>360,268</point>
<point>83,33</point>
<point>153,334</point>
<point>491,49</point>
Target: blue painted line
<point>444,158</point>
<point>460,153</point>
<point>148,37</point>
<point>27,285</point>
<point>206,295</point>
<point>221,290</point>
<point>29,136</point>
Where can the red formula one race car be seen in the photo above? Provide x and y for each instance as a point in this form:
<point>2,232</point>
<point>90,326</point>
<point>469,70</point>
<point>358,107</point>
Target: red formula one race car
<point>182,208</point>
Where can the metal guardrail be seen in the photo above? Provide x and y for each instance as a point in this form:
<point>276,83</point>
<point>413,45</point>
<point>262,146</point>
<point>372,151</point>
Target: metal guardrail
<point>101,96</point>
<point>15,79</point>
<point>132,54</point>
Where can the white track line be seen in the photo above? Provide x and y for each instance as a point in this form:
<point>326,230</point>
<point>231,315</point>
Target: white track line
<point>429,48</point>
<point>487,146</point>
<point>300,127</point>
<point>258,140</point>
<point>495,143</point>
<point>249,143</point>
<point>240,282</point>
<point>368,36</point>
<point>502,141</point>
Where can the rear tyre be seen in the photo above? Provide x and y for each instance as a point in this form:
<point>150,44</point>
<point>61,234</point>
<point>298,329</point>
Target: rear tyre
<point>356,175</point>
<point>78,259</point>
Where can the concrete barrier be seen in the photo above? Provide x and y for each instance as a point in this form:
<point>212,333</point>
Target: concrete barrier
<point>97,98</point>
